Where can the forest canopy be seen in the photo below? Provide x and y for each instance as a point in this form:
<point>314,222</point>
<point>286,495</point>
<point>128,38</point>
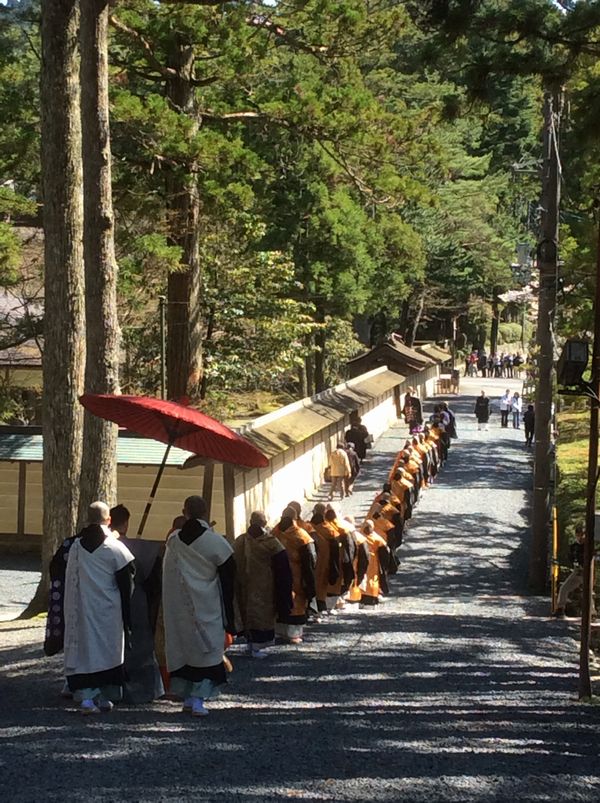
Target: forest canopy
<point>289,176</point>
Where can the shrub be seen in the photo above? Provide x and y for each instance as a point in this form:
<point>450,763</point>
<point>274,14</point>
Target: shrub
<point>509,333</point>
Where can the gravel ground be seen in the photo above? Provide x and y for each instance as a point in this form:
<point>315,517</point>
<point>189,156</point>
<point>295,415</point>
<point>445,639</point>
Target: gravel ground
<point>19,577</point>
<point>458,688</point>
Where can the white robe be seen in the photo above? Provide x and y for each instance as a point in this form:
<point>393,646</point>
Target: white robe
<point>94,638</point>
<point>193,600</point>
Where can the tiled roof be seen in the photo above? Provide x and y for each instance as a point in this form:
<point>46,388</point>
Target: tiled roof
<point>278,431</point>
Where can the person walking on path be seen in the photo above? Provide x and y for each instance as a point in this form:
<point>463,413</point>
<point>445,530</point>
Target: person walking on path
<point>482,363</point>
<point>328,573</point>
<point>198,588</point>
<point>529,424</point>
<point>482,411</point>
<point>575,579</point>
<point>340,470</point>
<point>354,468</point>
<point>144,682</point>
<point>451,425</point>
<point>301,553</point>
<point>375,583</point>
<point>505,407</point>
<point>359,435</point>
<point>263,584</point>
<point>516,407</point>
<point>98,587</point>
<point>412,411</point>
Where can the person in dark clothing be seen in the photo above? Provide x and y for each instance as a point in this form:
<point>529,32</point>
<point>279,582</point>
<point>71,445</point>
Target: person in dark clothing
<point>529,424</point>
<point>412,411</point>
<point>358,434</point>
<point>482,411</point>
<point>354,468</point>
<point>451,424</point>
<point>143,679</point>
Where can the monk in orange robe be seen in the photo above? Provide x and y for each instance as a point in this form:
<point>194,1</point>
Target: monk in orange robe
<point>302,558</point>
<point>375,582</point>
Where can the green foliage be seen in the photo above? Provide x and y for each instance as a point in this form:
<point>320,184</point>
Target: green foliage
<point>10,255</point>
<point>348,159</point>
<point>256,331</point>
<point>509,333</point>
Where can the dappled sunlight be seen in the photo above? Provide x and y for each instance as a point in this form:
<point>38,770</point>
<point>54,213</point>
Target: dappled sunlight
<point>456,676</point>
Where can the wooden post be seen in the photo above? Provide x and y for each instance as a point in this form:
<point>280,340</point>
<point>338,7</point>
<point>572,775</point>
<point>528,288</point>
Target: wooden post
<point>21,498</point>
<point>207,485</point>
<point>585,682</point>
<point>229,495</point>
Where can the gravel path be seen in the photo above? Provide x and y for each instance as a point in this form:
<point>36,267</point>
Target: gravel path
<point>458,688</point>
<point>19,577</point>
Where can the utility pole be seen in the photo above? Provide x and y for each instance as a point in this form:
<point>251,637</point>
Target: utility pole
<point>585,682</point>
<point>547,259</point>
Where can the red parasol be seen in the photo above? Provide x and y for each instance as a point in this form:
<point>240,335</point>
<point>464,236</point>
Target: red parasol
<point>176,425</point>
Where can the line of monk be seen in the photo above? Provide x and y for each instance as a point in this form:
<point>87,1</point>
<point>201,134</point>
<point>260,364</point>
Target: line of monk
<point>270,583</point>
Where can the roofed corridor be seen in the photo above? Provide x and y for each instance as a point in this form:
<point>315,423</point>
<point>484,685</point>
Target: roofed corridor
<point>457,688</point>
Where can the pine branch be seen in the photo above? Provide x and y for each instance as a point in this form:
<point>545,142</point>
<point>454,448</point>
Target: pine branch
<point>153,60</point>
<point>263,22</point>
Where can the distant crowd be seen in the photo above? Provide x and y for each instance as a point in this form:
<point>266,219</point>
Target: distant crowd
<point>496,366</point>
<point>141,619</point>
<point>509,406</point>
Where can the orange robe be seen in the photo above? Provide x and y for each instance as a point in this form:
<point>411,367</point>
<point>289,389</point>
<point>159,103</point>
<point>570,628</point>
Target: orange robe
<point>375,580</point>
<point>360,564</point>
<point>328,563</point>
<point>298,543</point>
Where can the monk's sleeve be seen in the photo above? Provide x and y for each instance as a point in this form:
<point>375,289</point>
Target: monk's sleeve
<point>153,588</point>
<point>308,557</point>
<point>383,554</point>
<point>396,534</point>
<point>362,563</point>
<point>282,576</point>
<point>124,578</point>
<point>55,628</point>
<point>227,577</point>
<point>348,555</point>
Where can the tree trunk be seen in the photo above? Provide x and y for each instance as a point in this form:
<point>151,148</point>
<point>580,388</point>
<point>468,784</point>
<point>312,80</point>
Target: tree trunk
<point>319,360</point>
<point>494,328</point>
<point>184,311</point>
<point>412,334</point>
<point>302,381</point>
<point>210,328</point>
<point>548,267</point>
<point>309,363</point>
<point>99,466</point>
<point>404,324</point>
<point>64,322</point>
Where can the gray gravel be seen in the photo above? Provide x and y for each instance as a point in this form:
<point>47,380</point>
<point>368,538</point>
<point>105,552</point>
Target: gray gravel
<point>458,688</point>
<point>19,577</point>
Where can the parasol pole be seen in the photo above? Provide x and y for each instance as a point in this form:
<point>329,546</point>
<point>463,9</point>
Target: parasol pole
<point>157,479</point>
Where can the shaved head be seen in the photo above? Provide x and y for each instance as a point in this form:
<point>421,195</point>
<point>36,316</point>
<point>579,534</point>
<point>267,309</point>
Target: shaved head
<point>194,507</point>
<point>258,518</point>
<point>98,513</point>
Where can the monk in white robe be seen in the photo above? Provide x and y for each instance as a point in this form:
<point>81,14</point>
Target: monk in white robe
<point>198,588</point>
<point>98,586</point>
